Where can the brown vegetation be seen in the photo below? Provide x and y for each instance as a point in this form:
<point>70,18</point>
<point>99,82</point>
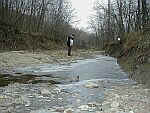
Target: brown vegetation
<point>31,24</point>
<point>120,19</point>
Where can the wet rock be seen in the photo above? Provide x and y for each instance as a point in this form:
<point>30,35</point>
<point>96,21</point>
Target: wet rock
<point>76,79</point>
<point>115,104</point>
<point>43,111</point>
<point>45,91</point>
<point>5,100</point>
<point>30,96</point>
<point>106,106</point>
<point>60,99</point>
<point>135,86</point>
<point>78,100</point>
<point>91,85</point>
<point>121,112</point>
<point>99,112</point>
<point>59,109</point>
<point>116,96</point>
<point>27,104</point>
<point>69,110</point>
<point>131,112</point>
<point>57,90</point>
<point>84,107</point>
<point>91,107</point>
<point>92,104</point>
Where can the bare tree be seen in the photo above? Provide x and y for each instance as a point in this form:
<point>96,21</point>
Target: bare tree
<point>144,11</point>
<point>119,18</point>
<point>51,18</point>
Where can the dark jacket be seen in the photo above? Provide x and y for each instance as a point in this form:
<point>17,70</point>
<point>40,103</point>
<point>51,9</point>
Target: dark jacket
<point>68,40</point>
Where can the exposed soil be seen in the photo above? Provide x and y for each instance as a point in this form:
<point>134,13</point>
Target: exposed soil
<point>25,58</point>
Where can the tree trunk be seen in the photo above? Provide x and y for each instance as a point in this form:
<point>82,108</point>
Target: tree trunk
<point>109,16</point>
<point>121,25</point>
<point>144,12</point>
<point>139,15</point>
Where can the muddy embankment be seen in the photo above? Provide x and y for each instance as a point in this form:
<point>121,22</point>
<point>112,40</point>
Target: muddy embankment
<point>133,55</point>
<point>137,72</point>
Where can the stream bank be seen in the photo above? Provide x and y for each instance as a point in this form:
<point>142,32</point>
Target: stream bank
<point>133,54</point>
<point>136,71</point>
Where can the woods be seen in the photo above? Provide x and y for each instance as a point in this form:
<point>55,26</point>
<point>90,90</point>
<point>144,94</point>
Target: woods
<point>36,23</point>
<point>122,30</point>
<point>120,17</point>
<point>22,20</point>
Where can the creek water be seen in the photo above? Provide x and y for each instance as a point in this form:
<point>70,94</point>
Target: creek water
<point>99,67</point>
<point>96,75</point>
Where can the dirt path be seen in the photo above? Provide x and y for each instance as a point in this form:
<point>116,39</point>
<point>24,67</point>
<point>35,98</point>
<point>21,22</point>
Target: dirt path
<point>25,58</point>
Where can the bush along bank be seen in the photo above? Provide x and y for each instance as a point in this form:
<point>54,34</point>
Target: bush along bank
<point>133,54</point>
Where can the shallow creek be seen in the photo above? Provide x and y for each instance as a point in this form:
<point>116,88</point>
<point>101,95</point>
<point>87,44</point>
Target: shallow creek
<point>78,86</point>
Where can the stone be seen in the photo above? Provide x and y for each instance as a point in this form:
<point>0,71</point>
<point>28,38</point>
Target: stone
<point>58,90</point>
<point>59,109</point>
<point>121,112</point>
<point>27,104</point>
<point>115,104</point>
<point>78,100</point>
<point>131,112</point>
<point>84,107</point>
<point>45,91</point>
<point>43,111</point>
<point>92,109</point>
<point>60,98</point>
<point>69,110</point>
<point>105,106</point>
<point>91,85</point>
<point>99,112</point>
<point>116,96</point>
<point>92,104</point>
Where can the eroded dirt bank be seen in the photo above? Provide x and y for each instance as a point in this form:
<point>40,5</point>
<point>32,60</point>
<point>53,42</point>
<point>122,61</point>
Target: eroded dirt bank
<point>139,72</point>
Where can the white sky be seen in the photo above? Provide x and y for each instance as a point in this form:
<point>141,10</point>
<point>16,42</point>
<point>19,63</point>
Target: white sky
<point>84,9</point>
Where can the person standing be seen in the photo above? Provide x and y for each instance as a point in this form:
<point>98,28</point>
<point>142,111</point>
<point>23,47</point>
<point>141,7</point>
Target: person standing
<point>70,43</point>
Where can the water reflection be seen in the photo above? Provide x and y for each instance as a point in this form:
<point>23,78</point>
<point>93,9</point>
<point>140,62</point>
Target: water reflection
<point>100,67</point>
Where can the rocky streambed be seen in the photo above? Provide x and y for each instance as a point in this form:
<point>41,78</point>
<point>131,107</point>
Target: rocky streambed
<point>95,84</point>
<point>96,96</point>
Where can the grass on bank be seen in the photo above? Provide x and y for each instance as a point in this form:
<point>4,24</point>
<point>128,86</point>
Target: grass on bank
<point>133,53</point>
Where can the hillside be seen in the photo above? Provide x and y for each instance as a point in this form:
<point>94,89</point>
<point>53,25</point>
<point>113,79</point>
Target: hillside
<point>133,54</point>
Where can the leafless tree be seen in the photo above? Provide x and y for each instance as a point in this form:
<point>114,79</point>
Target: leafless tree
<point>119,17</point>
<point>51,18</point>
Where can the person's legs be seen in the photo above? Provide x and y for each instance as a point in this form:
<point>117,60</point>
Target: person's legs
<point>69,51</point>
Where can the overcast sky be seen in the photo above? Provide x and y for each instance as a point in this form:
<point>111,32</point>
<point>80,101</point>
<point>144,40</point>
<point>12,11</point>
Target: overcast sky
<point>84,9</point>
